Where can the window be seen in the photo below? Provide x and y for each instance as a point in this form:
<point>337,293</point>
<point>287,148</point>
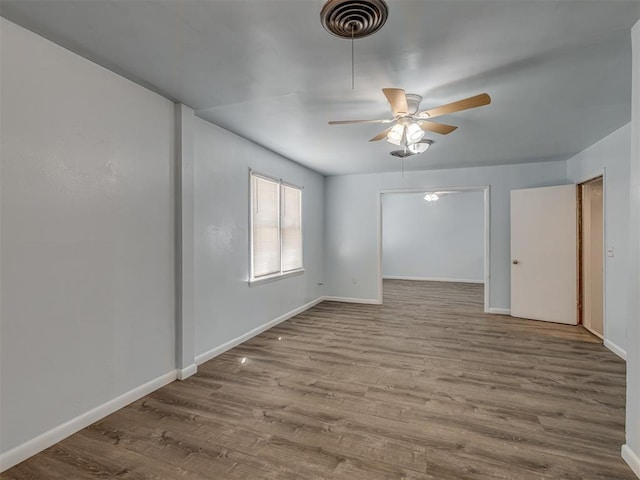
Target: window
<point>276,228</point>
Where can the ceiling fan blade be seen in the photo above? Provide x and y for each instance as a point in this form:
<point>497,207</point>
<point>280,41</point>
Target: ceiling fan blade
<point>349,122</point>
<point>397,99</point>
<point>466,104</point>
<point>381,135</point>
<point>440,128</point>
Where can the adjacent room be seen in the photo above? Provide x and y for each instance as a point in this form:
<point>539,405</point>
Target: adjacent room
<point>320,239</point>
<point>434,236</point>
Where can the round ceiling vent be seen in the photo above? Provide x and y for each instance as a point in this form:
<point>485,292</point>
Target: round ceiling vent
<point>401,153</point>
<point>353,18</point>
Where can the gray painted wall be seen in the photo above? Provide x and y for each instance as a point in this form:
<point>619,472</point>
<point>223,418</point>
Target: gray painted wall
<point>612,153</point>
<point>352,221</point>
<point>433,240</point>
<point>631,451</point>
<point>87,236</point>
<point>225,306</point>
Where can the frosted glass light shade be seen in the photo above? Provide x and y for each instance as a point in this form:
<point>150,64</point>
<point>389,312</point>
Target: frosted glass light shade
<point>419,147</point>
<point>396,134</point>
<point>414,133</point>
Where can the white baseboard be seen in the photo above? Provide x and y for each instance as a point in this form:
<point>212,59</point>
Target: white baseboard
<point>22,452</point>
<point>498,311</point>
<point>432,279</point>
<point>187,371</point>
<point>616,349</point>
<point>366,301</point>
<point>29,448</point>
<point>214,352</point>
<point>593,332</point>
<point>632,459</point>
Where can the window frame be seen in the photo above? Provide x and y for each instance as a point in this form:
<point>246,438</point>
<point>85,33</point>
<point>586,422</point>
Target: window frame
<point>281,274</point>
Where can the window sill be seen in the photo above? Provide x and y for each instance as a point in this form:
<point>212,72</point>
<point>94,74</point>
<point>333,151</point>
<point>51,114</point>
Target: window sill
<point>275,278</point>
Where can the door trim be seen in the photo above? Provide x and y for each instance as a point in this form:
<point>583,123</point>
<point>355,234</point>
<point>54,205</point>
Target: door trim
<point>602,172</point>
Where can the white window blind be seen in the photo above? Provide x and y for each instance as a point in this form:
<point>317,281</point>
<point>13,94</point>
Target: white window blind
<point>291,229</point>
<point>276,228</point>
<point>266,227</point>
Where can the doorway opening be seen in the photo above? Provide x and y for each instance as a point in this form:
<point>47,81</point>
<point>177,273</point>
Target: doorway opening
<point>591,255</point>
<point>435,234</point>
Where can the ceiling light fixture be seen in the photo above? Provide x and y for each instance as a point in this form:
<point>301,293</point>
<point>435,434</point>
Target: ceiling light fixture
<point>431,197</point>
<point>405,133</point>
<point>420,147</point>
<point>396,135</point>
<point>439,195</point>
<point>414,133</point>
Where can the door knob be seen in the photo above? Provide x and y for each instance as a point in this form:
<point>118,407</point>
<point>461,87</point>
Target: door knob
<point>515,262</point>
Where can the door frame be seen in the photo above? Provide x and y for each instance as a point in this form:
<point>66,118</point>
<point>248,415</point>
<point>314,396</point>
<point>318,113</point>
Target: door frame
<point>486,189</point>
<point>602,172</point>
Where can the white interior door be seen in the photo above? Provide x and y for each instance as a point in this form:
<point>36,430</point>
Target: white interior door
<point>544,254</point>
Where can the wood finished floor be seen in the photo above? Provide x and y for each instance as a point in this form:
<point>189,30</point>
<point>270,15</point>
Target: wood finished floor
<point>425,387</point>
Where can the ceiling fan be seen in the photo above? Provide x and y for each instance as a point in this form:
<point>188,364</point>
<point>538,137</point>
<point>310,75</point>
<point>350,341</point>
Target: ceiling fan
<point>411,125</point>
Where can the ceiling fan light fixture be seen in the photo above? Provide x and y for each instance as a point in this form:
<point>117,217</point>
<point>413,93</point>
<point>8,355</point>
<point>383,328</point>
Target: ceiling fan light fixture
<point>396,134</point>
<point>413,102</point>
<point>420,147</point>
<point>431,197</point>
<point>410,126</point>
<point>414,133</point>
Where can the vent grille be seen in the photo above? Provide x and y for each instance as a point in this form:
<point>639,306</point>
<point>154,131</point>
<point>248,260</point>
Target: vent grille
<point>401,153</point>
<point>353,18</point>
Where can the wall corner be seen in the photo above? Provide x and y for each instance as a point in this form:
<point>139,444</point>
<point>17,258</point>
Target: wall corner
<point>184,240</point>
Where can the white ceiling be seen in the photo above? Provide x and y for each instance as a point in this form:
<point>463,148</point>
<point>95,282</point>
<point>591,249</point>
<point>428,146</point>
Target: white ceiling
<point>559,72</point>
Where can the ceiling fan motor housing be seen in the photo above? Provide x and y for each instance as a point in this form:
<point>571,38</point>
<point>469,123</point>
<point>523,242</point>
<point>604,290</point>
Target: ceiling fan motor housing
<point>413,102</point>
<point>353,18</point>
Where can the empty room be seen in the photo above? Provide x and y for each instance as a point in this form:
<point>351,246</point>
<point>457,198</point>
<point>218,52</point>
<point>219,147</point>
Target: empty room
<point>320,239</point>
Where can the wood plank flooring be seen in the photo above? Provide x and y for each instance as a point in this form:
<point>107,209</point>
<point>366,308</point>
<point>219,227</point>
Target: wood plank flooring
<point>424,387</point>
